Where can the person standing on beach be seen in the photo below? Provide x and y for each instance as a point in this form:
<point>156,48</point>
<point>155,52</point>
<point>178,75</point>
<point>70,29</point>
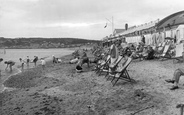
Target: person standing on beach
<point>27,61</point>
<point>10,64</point>
<point>1,59</point>
<point>84,59</point>
<point>43,63</point>
<point>35,60</point>
<point>22,63</point>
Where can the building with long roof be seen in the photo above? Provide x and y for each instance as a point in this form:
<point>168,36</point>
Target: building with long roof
<point>154,32</point>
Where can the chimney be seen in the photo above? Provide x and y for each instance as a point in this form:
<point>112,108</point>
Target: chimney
<point>126,26</point>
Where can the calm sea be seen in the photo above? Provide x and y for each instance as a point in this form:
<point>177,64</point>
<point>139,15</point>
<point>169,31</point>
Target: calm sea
<point>15,54</point>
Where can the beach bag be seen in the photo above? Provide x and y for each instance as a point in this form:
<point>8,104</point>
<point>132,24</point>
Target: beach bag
<point>78,68</point>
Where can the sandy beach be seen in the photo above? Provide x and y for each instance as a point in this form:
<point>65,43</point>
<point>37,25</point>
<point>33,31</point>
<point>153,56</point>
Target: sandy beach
<point>59,90</point>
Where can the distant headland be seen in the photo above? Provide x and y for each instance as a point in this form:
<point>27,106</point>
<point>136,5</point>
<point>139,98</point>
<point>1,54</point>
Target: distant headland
<point>36,42</point>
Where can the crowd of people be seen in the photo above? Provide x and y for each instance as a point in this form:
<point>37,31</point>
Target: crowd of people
<point>27,61</point>
<point>136,51</point>
<point>114,49</point>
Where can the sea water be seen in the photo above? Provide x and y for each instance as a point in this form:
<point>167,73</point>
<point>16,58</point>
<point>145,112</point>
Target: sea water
<point>15,54</point>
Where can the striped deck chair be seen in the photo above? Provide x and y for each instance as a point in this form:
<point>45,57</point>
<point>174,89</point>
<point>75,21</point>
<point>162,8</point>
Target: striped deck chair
<point>111,66</point>
<point>120,64</point>
<point>160,49</point>
<point>122,73</point>
<point>102,64</point>
<point>165,52</point>
<point>179,50</point>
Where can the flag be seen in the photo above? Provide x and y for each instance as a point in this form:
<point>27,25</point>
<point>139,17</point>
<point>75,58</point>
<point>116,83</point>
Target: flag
<point>105,25</point>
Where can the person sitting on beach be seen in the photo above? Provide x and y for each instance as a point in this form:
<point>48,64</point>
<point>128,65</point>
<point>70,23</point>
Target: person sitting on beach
<point>58,60</point>
<point>54,60</point>
<point>9,63</point>
<point>78,66</point>
<point>35,60</point>
<point>43,63</point>
<point>147,54</point>
<point>73,61</point>
<point>140,51</point>
<point>22,63</point>
<point>126,51</point>
<point>151,53</point>
<point>84,59</point>
<point>176,77</point>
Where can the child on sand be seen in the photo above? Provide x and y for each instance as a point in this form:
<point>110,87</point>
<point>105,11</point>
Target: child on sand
<point>35,60</point>
<point>43,63</point>
<point>27,61</point>
<point>22,63</point>
<point>54,59</point>
<point>9,63</point>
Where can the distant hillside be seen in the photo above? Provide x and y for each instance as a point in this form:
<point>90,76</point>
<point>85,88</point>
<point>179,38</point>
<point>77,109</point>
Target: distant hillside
<point>43,42</point>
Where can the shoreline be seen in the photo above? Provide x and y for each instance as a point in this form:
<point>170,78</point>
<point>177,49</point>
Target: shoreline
<point>3,88</point>
<point>47,59</point>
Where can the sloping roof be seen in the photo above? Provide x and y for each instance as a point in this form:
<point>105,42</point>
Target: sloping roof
<point>172,20</point>
<point>118,30</point>
<point>140,27</point>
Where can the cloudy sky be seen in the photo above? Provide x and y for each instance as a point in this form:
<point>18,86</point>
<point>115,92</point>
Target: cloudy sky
<point>78,18</point>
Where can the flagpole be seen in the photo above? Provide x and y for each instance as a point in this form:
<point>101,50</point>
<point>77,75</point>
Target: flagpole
<point>112,25</point>
<point>112,22</point>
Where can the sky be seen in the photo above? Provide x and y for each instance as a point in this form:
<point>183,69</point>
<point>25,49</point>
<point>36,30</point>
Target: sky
<point>79,18</point>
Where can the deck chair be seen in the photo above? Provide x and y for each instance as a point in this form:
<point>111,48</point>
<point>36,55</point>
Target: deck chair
<point>162,46</point>
<point>165,52</point>
<point>122,73</point>
<point>111,66</point>
<point>160,49</point>
<point>179,50</point>
<point>102,64</point>
<point>119,65</point>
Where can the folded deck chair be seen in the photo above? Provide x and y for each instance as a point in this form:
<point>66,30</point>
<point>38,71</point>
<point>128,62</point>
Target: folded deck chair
<point>122,73</point>
<point>179,50</point>
<point>111,66</point>
<point>102,64</point>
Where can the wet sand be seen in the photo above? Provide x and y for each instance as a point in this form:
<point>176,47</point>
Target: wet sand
<point>59,90</point>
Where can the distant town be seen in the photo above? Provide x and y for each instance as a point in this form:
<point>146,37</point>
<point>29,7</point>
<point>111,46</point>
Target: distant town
<point>35,43</point>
